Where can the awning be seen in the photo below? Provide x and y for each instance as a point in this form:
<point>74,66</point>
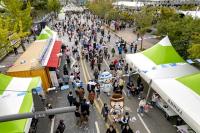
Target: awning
<point>54,59</point>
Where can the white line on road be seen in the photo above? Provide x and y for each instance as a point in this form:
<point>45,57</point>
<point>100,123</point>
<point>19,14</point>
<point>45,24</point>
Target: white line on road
<point>106,63</point>
<point>74,61</point>
<point>97,127</point>
<point>52,125</point>
<point>144,123</point>
<point>124,92</point>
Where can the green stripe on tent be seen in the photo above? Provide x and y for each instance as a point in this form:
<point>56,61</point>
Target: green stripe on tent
<point>49,32</point>
<point>43,37</point>
<point>19,125</point>
<point>163,54</point>
<point>192,82</point>
<point>4,82</point>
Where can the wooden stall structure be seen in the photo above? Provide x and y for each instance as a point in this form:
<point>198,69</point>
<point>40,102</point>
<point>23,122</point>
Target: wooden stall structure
<point>28,64</point>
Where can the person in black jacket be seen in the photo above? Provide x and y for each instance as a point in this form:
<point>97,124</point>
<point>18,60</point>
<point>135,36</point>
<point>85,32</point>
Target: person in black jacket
<point>127,129</point>
<point>61,127</point>
<point>111,129</point>
<point>70,98</point>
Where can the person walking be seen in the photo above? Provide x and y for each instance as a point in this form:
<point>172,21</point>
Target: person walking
<point>127,129</point>
<point>78,116</point>
<point>91,97</point>
<point>140,109</point>
<point>111,129</point>
<point>70,98</point>
<point>105,112</point>
<point>61,127</point>
<point>49,106</point>
<point>98,91</point>
<point>125,120</point>
<point>113,52</point>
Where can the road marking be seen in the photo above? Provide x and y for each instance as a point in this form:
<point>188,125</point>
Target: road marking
<point>124,92</point>
<point>74,61</point>
<point>144,123</point>
<point>97,127</point>
<point>52,125</point>
<point>106,63</point>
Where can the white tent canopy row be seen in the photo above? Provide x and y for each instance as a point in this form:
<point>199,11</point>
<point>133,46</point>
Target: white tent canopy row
<point>148,69</point>
<point>181,99</point>
<point>72,7</point>
<point>194,14</point>
<point>128,4</point>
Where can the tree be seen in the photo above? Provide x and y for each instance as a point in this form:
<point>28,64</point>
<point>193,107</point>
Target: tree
<point>182,31</point>
<point>143,20</point>
<point>54,6</point>
<point>194,51</point>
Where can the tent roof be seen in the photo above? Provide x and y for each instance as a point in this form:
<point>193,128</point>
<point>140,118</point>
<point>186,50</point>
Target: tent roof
<point>192,82</point>
<point>45,33</point>
<point>181,99</point>
<point>29,60</point>
<point>128,4</point>
<point>43,37</point>
<point>163,53</point>
<point>169,71</point>
<point>16,100</point>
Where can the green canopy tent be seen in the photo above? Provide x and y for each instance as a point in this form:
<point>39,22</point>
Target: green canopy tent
<point>16,97</point>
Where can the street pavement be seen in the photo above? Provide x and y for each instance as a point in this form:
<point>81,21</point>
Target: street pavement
<point>152,122</point>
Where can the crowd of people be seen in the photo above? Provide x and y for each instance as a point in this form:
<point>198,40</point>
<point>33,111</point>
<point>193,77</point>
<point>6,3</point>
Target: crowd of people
<point>90,42</point>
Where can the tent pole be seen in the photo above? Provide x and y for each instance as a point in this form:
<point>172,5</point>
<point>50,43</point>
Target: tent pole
<point>38,114</point>
<point>149,90</point>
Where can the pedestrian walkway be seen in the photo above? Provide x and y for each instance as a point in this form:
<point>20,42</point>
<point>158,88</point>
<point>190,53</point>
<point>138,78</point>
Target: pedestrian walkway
<point>130,37</point>
<point>10,59</point>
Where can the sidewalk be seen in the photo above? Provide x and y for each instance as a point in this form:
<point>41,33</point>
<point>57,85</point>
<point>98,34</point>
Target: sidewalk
<point>11,57</point>
<point>130,37</point>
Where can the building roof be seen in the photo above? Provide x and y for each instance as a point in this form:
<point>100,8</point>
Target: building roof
<point>29,60</point>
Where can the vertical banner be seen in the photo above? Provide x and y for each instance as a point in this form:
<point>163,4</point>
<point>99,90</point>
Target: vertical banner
<point>54,78</point>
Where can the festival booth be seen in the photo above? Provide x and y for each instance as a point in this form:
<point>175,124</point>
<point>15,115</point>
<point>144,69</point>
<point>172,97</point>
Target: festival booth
<point>183,96</point>
<point>15,98</point>
<point>160,61</point>
<point>39,59</point>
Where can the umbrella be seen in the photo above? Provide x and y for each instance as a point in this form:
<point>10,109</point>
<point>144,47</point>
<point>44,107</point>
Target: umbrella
<point>92,83</point>
<point>64,87</point>
<point>105,75</point>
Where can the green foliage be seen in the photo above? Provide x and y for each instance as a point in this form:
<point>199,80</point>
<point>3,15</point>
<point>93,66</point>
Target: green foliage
<point>182,31</point>
<point>16,21</point>
<point>39,4</point>
<point>100,7</point>
<point>54,6</point>
<point>143,21</point>
<point>194,51</point>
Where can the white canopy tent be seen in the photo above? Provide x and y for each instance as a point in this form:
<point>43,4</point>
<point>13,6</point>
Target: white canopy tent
<point>181,98</point>
<point>169,71</point>
<point>129,4</point>
<point>160,61</point>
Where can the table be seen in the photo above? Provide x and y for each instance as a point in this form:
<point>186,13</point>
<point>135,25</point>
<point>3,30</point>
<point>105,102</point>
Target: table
<point>166,108</point>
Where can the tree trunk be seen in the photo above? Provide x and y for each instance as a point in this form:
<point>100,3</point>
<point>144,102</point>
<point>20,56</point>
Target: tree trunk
<point>141,45</point>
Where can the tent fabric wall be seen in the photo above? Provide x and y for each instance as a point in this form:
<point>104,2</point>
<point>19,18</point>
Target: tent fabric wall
<point>34,73</point>
<point>183,100</point>
<point>23,107</point>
